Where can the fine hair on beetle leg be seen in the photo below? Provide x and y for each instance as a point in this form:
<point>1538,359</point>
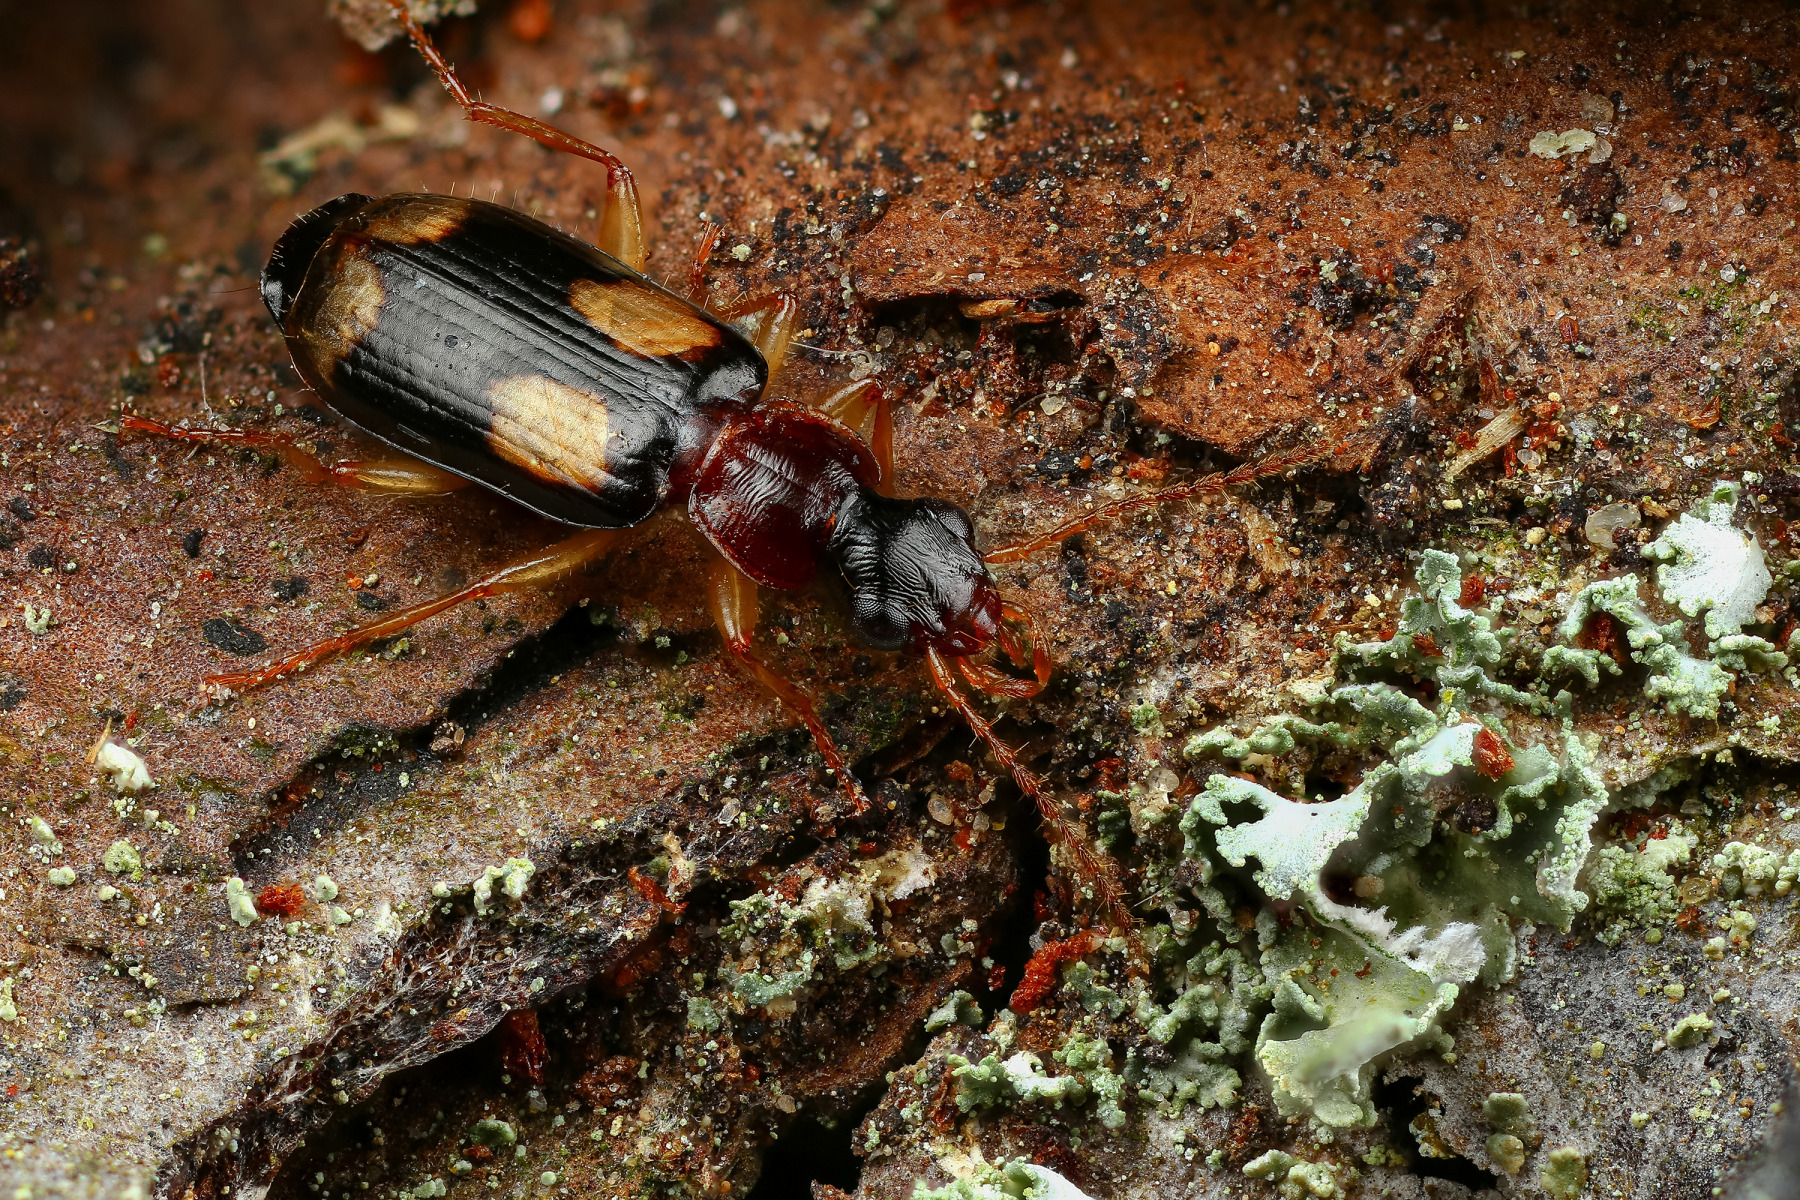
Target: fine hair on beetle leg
<point>1063,832</point>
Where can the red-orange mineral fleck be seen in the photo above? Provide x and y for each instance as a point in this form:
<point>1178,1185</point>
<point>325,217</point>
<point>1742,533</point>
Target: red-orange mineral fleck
<point>283,899</point>
<point>1040,976</point>
<point>1492,758</point>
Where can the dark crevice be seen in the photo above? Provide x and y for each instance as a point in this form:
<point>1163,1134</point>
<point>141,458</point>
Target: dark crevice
<point>1012,943</point>
<point>810,1151</point>
<point>1405,1100</point>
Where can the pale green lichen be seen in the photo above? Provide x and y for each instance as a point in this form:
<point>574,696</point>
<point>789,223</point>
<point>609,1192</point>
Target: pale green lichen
<point>1746,870</point>
<point>1687,685</point>
<point>1710,569</point>
<point>9,1006</point>
<point>1565,1173</point>
<point>44,835</point>
<point>62,877</point>
<point>513,876</point>
<point>1635,886</point>
<point>958,1008</point>
<point>121,858</point>
<point>493,1132</point>
<point>1019,1179</point>
<point>1509,1112</point>
<point>832,922</point>
<point>1271,1164</point>
<point>1548,144</point>
<point>703,1015</point>
<point>37,620</point>
<point>1789,875</point>
<point>1022,1079</point>
<point>1507,1152</point>
<point>1377,975</point>
<point>1297,1179</point>
<point>239,904</point>
<point>324,890</point>
<point>1690,1031</point>
<point>1225,998</point>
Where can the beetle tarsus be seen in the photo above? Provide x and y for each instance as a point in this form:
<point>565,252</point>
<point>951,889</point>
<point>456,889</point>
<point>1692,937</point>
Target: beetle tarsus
<point>709,237</point>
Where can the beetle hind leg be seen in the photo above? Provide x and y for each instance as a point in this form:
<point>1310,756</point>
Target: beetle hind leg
<point>622,224</point>
<point>393,475</point>
<point>732,595</point>
<point>533,570</point>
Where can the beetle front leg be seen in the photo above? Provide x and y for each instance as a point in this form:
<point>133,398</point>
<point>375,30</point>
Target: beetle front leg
<point>854,406</point>
<point>732,596</point>
<point>532,571</point>
<point>622,224</point>
<point>394,475</point>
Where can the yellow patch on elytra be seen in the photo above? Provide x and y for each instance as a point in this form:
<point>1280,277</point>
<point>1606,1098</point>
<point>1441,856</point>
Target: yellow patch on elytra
<point>418,219</point>
<point>552,430</point>
<point>346,311</point>
<point>641,319</point>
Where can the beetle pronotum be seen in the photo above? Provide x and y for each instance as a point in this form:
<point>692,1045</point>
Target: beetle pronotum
<point>484,346</point>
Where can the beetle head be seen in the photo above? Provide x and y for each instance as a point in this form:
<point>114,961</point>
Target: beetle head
<point>914,575</point>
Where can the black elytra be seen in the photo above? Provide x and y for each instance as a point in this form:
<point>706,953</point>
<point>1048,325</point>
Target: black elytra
<point>487,343</point>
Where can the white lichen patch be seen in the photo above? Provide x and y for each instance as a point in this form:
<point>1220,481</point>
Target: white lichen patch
<point>782,945</point>
<point>130,773</point>
<point>37,621</point>
<point>1019,1179</point>
<point>1711,567</point>
<point>1561,145</point>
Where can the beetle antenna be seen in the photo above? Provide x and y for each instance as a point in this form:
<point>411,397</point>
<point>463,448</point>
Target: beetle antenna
<point>1063,831</point>
<point>1206,485</point>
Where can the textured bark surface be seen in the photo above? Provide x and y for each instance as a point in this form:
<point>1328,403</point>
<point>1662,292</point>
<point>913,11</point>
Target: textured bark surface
<point>1088,249</point>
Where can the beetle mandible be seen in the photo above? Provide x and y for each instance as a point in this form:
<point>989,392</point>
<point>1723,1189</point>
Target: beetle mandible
<point>487,347</point>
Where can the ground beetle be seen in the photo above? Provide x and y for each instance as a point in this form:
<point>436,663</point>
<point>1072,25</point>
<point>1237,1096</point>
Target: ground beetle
<point>488,347</point>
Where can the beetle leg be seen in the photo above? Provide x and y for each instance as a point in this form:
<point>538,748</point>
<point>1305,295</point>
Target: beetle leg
<point>399,476</point>
<point>622,224</point>
<point>853,406</point>
<point>533,570</point>
<point>709,237</point>
<point>769,324</point>
<point>732,595</point>
<point>1206,485</point>
<point>1063,832</point>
